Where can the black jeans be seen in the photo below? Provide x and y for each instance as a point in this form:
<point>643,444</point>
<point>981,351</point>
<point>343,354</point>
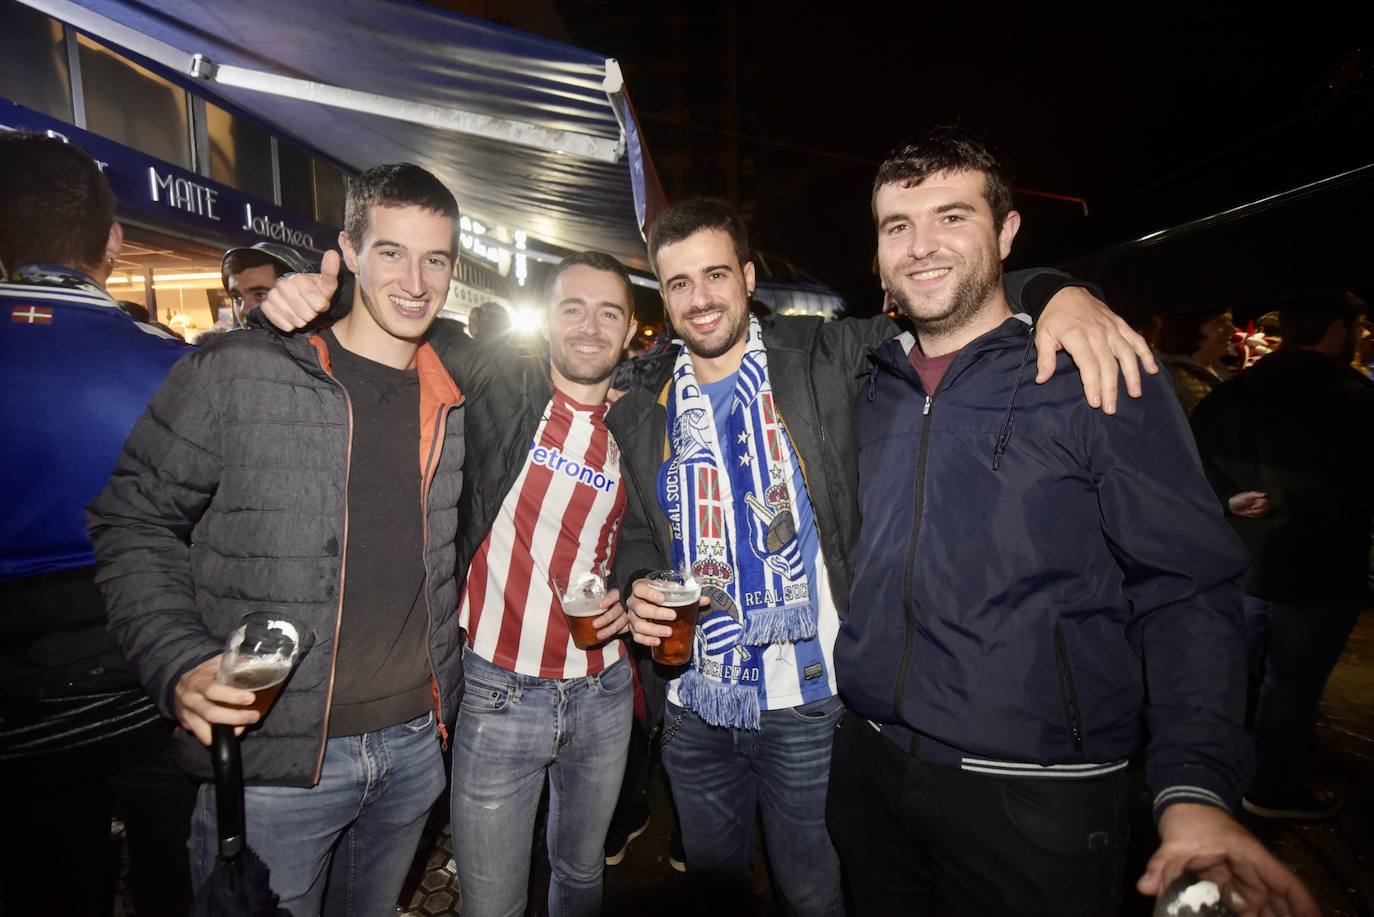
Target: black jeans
<point>922,838</point>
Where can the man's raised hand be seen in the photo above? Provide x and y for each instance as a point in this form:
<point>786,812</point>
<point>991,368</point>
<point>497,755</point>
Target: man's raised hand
<point>297,300</point>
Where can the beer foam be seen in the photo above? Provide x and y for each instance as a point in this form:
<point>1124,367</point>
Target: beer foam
<point>1194,898</point>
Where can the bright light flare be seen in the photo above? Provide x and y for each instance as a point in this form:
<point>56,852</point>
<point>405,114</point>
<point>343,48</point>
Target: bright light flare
<point>524,321</point>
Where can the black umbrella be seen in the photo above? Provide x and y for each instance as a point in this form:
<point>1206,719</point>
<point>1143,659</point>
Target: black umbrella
<point>239,886</point>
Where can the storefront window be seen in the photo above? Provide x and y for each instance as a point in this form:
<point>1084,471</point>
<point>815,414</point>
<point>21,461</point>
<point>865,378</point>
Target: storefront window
<point>33,62</point>
<point>297,179</point>
<point>133,106</point>
<point>185,293</point>
<point>240,153</point>
<point>329,194</point>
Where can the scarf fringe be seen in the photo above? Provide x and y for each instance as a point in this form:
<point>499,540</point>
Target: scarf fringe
<point>718,703</point>
<point>789,624</point>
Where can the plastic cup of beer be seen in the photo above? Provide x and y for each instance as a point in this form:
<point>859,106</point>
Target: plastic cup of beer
<point>259,655</point>
<point>581,594</point>
<point>682,594</point>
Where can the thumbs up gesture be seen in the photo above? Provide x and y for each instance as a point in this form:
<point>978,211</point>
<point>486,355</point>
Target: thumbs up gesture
<point>297,300</point>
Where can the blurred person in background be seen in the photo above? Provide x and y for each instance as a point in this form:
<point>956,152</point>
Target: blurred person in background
<point>79,739</point>
<point>1364,337</point>
<point>489,323</point>
<point>1192,345</point>
<point>1286,446</point>
<point>250,273</point>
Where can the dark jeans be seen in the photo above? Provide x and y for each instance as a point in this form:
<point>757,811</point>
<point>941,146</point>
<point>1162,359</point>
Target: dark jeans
<point>921,838</point>
<point>723,777</point>
<point>1292,650</point>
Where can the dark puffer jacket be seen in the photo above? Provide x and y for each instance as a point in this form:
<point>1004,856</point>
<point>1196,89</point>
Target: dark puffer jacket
<point>230,498</point>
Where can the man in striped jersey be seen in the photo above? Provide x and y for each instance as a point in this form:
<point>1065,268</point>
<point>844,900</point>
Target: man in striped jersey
<point>543,500</point>
<point>740,463</point>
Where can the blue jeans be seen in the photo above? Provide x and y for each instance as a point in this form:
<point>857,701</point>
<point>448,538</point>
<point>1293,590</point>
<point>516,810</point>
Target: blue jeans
<point>721,776</point>
<point>512,730</point>
<point>355,831</point>
<point>1292,650</point>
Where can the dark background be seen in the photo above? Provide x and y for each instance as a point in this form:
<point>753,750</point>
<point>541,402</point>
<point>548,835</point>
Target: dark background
<point>1151,115</point>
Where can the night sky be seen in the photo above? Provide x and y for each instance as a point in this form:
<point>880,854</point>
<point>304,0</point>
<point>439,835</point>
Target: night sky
<point>1154,115</point>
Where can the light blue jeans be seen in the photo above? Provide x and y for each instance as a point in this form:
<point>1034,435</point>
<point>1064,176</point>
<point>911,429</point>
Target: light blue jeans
<point>355,831</point>
<point>512,729</point>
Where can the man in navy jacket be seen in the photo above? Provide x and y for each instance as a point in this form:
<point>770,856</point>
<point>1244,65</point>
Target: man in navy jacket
<point>1033,577</point>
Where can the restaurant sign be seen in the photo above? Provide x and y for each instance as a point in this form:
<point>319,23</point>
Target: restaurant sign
<point>164,193</point>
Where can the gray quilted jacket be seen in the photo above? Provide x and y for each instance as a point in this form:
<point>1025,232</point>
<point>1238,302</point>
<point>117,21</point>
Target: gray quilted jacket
<point>230,498</point>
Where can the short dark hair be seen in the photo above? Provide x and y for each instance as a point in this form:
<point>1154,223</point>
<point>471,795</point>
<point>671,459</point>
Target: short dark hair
<point>244,259</point>
<point>684,220</point>
<point>394,184</point>
<point>1180,333</point>
<point>1304,322</point>
<point>946,148</point>
<point>55,204</point>
<point>598,261</point>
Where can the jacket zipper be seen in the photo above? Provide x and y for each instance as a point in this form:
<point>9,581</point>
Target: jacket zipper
<point>432,466</point>
<point>908,601</point>
<point>343,563</point>
<point>1066,689</point>
<point>829,486</point>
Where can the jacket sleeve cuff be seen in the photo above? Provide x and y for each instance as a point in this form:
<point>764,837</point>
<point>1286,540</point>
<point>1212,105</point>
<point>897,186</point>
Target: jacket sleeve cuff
<point>169,696</point>
<point>1183,793</point>
<point>1033,289</point>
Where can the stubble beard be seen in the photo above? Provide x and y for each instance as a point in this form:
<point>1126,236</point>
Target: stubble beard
<point>593,376</point>
<point>698,347</point>
<point>966,300</point>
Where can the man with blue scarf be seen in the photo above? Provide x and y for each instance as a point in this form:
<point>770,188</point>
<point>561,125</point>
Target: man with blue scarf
<point>739,463</point>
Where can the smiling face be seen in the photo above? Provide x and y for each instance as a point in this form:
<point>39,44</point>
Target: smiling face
<point>403,266</point>
<point>706,291</point>
<point>940,251</point>
<point>588,326</point>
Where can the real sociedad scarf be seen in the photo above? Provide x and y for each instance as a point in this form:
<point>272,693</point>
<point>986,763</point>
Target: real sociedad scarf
<point>735,529</point>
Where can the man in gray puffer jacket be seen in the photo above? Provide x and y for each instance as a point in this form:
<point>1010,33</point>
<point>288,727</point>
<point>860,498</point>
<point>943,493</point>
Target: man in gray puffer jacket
<point>283,474</point>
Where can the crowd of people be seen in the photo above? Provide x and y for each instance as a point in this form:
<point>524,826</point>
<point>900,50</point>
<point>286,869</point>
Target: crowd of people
<point>951,583</point>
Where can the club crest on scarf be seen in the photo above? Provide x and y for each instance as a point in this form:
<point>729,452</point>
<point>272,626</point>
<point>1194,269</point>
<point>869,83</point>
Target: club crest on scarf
<point>735,529</point>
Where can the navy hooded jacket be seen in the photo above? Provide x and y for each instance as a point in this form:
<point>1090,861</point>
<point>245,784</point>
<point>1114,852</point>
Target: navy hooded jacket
<point>1034,575</point>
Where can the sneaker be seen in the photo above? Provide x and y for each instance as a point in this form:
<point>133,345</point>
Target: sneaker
<point>676,857</point>
<point>620,834</point>
<point>1302,804</point>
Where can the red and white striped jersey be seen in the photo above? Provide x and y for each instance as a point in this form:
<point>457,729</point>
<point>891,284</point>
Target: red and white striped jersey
<point>563,512</point>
